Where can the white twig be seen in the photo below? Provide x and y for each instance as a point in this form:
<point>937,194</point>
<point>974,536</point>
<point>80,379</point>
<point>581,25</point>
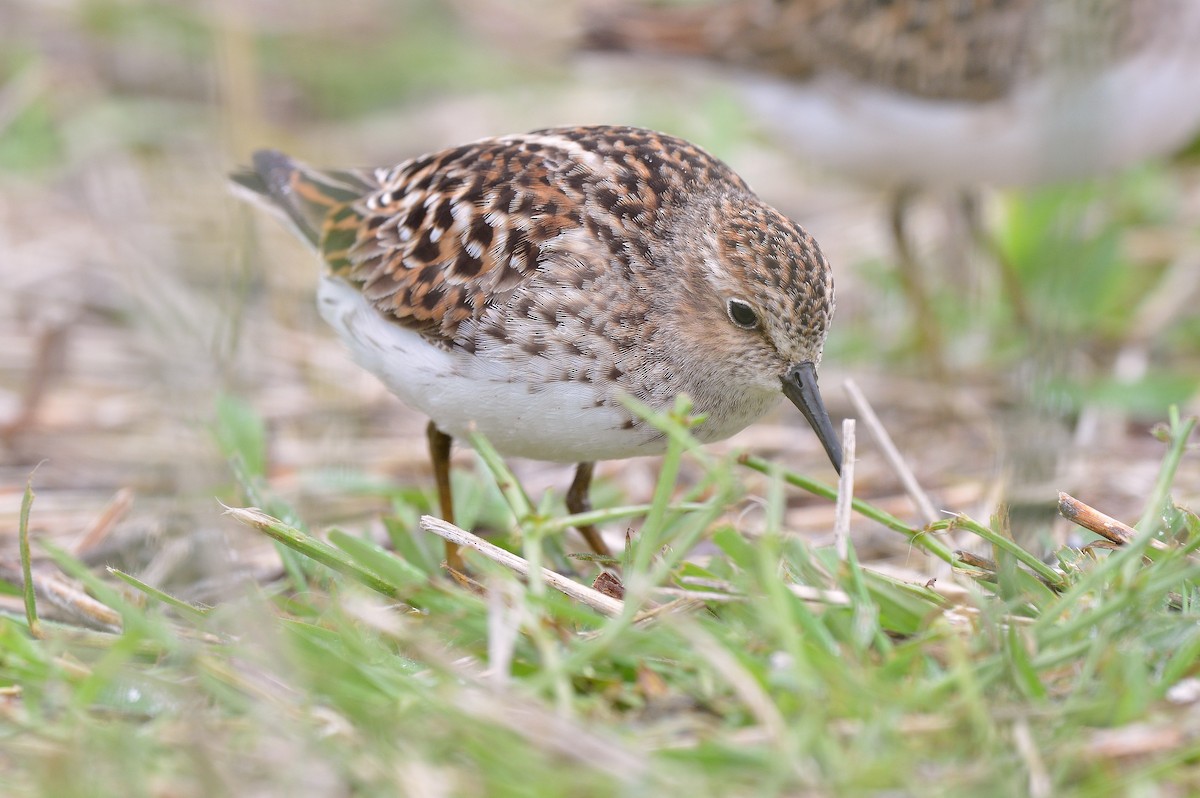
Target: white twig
<point>504,628</point>
<point>581,593</point>
<point>891,453</point>
<point>816,594</point>
<point>841,526</point>
<point>803,592</point>
<point>1040,785</point>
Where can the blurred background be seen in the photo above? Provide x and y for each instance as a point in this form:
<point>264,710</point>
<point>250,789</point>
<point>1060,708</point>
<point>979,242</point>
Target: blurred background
<point>148,317</point>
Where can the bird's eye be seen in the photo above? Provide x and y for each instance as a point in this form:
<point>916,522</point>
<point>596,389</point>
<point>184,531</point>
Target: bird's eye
<point>741,314</point>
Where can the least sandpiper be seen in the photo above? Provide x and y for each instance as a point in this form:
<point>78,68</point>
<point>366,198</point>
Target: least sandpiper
<point>521,286</point>
<point>946,92</point>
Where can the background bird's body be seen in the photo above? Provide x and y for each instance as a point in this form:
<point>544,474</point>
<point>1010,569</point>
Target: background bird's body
<point>940,93</point>
<point>952,95</point>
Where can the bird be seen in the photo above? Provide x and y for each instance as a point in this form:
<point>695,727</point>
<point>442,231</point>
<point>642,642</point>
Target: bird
<point>942,94</point>
<point>522,285</point>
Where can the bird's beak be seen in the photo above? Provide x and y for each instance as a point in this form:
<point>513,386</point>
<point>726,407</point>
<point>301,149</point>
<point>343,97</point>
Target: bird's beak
<point>800,386</point>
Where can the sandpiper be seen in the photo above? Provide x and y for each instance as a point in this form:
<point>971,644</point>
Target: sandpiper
<point>946,92</point>
<point>942,93</point>
<point>522,285</point>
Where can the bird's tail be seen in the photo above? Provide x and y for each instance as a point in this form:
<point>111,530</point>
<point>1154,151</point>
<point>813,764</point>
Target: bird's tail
<point>307,199</point>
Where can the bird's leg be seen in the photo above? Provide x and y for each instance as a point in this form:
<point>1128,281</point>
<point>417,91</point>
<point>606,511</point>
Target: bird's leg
<point>929,334</point>
<point>1010,280</point>
<point>439,455</point>
<point>578,502</point>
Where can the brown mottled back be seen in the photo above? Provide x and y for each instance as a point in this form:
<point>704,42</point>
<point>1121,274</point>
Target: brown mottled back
<point>938,49</point>
<point>435,239</point>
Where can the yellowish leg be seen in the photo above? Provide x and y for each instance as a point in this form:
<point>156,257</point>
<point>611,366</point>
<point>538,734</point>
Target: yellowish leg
<point>578,502</point>
<point>439,455</point>
<point>1010,279</point>
<point>912,279</point>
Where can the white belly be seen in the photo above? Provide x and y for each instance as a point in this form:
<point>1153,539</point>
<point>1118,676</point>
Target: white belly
<point>556,421</point>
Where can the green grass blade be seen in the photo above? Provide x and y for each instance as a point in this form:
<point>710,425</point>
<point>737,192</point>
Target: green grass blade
<point>375,559</point>
<point>185,609</point>
<point>1178,432</point>
<point>241,435</point>
<point>919,537</point>
<point>312,548</point>
<point>510,488</point>
<point>31,616</point>
<point>1023,671</point>
<point>610,514</point>
<point>1051,577</point>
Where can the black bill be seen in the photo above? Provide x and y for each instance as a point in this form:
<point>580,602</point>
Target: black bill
<point>800,386</point>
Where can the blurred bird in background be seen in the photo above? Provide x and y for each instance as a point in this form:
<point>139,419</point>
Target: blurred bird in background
<point>950,95</point>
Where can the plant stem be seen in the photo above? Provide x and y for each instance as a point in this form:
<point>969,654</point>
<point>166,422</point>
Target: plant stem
<point>918,537</point>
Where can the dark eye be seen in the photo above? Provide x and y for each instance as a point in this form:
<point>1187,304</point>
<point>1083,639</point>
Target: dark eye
<point>742,314</point>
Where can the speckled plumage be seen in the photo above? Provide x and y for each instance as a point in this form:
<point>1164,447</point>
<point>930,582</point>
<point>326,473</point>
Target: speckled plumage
<point>945,92</point>
<point>936,49</point>
<point>521,285</point>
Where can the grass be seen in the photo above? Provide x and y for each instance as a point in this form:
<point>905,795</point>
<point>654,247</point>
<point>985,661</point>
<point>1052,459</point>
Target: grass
<point>767,666</point>
<point>773,669</point>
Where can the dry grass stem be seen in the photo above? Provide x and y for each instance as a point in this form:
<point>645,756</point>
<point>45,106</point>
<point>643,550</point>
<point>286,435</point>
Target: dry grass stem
<point>890,453</point>
<point>505,611</point>
<point>1040,784</point>
<point>581,593</point>
<point>1093,520</point>
<point>105,522</point>
<point>822,516</point>
<point>804,592</point>
<point>841,527</point>
<point>683,605</point>
<point>1135,740</point>
<point>720,585</point>
<point>975,561</point>
<point>49,352</point>
<point>700,595</point>
<point>816,594</point>
<point>74,604</point>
